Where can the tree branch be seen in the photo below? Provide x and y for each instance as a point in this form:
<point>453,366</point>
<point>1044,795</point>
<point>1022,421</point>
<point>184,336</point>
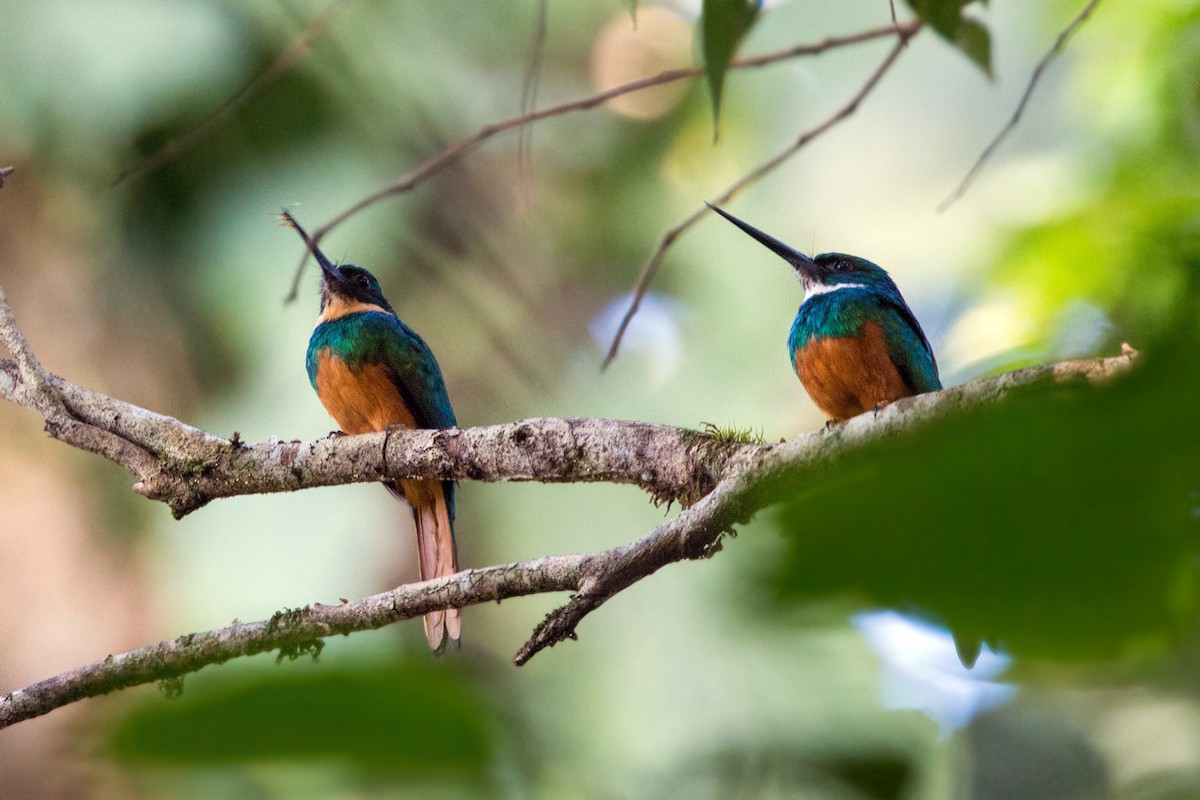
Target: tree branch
<point>436,163</point>
<point>187,468</point>
<point>293,632</point>
<point>722,483</point>
<point>650,268</point>
<point>991,149</point>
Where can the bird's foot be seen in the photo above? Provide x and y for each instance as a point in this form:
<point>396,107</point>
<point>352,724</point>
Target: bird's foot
<point>336,434</point>
<point>881,405</point>
<point>832,423</point>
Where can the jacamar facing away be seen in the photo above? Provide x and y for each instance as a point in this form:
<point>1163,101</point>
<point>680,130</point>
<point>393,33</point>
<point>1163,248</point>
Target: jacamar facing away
<point>855,344</point>
<point>371,371</point>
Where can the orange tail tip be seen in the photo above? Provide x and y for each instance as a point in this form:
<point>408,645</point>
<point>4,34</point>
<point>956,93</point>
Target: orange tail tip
<point>435,547</point>
<point>442,628</point>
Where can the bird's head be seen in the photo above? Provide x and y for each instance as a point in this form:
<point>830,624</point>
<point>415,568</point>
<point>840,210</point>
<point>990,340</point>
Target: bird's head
<point>343,285</point>
<point>819,273</point>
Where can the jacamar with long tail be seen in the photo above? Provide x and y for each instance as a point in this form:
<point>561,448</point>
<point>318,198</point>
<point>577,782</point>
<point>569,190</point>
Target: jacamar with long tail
<point>855,344</point>
<point>371,371</point>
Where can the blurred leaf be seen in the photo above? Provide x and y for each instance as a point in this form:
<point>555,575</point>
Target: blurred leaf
<point>1140,275</point>
<point>417,719</point>
<point>723,25</point>
<point>946,17</point>
<point>825,768</point>
<point>1061,523</point>
<point>973,39</point>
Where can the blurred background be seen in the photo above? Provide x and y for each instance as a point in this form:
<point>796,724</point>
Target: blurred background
<point>811,657</point>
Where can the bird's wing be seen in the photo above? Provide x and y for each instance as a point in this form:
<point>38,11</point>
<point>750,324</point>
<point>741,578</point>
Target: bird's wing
<point>413,369</point>
<point>416,374</point>
<point>908,348</point>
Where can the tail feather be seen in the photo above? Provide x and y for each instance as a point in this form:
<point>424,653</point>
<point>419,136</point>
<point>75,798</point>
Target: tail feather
<point>435,549</point>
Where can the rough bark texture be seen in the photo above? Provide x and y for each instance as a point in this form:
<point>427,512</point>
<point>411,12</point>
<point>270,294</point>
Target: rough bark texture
<point>719,482</point>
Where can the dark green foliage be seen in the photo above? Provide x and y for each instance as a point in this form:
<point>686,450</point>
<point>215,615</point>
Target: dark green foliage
<point>420,719</point>
<point>723,25</point>
<point>1061,523</point>
<point>968,35</point>
<point>750,768</point>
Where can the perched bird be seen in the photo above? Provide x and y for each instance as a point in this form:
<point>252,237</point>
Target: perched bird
<point>855,344</point>
<point>371,371</point>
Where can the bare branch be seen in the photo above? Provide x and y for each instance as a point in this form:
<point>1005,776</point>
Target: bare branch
<point>23,381</point>
<point>292,631</point>
<point>4,173</point>
<point>990,150</point>
<point>756,477</point>
<point>191,468</point>
<point>283,64</point>
<point>650,268</point>
<point>451,154</point>
<point>35,391</point>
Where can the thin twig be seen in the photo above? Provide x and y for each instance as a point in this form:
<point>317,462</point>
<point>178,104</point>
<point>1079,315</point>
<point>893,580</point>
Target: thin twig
<point>451,154</point>
<point>533,72</point>
<point>650,267</point>
<point>990,150</point>
<point>282,64</point>
<point>4,173</point>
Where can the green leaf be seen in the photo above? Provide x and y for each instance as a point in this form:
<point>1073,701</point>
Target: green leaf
<point>417,719</point>
<point>1061,524</point>
<point>973,39</point>
<point>723,25</point>
<point>968,35</point>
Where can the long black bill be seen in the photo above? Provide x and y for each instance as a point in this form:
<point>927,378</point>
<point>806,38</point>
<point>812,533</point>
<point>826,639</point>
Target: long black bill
<point>801,262</point>
<point>327,266</point>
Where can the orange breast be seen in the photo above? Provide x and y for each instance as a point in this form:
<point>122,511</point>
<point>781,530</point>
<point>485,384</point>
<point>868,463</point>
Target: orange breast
<point>361,398</point>
<point>849,375</point>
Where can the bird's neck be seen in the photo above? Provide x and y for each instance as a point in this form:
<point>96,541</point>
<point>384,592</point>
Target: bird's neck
<point>337,306</point>
<point>832,314</point>
<point>818,289</point>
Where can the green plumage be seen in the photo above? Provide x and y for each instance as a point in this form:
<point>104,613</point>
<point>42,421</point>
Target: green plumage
<point>373,337</point>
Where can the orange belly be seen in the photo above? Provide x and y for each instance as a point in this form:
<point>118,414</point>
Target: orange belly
<point>362,398</point>
<point>849,375</point>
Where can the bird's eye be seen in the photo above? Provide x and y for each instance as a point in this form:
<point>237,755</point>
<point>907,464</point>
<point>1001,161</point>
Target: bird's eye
<point>362,280</point>
<point>842,265</point>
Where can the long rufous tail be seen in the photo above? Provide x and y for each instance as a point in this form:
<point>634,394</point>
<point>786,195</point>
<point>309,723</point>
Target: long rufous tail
<point>435,549</point>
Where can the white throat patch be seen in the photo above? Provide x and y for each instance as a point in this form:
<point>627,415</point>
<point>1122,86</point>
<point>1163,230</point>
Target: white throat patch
<point>821,288</point>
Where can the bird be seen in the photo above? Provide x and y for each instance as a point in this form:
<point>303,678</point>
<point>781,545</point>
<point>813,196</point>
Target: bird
<point>371,372</point>
<point>855,344</point>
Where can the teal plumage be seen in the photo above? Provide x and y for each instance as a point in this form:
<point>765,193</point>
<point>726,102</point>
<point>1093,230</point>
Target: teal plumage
<point>373,337</point>
<point>843,313</point>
